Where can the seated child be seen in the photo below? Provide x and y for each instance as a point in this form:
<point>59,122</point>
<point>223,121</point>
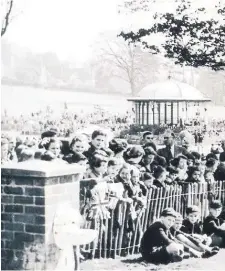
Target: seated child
<point>157,244</point>
<point>192,225</point>
<point>193,245</point>
<point>213,224</point>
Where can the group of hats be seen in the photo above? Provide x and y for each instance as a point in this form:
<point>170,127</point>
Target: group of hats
<point>215,204</point>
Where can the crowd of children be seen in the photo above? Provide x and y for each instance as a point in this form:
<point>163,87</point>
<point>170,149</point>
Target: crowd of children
<point>136,167</point>
<point>119,172</point>
<point>172,238</point>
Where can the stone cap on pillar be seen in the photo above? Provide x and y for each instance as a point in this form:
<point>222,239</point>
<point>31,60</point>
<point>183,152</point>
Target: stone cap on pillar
<point>42,169</point>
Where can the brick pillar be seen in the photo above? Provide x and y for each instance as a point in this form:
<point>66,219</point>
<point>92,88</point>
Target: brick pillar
<point>31,194</point>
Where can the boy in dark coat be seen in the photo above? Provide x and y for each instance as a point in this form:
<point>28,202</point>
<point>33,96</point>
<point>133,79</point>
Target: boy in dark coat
<point>214,224</point>
<point>191,224</point>
<point>157,244</point>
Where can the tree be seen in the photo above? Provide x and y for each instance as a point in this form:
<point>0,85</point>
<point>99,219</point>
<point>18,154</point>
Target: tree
<point>189,37</point>
<point>127,62</point>
<point>7,6</point>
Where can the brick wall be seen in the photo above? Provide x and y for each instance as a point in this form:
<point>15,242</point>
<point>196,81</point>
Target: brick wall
<point>28,207</point>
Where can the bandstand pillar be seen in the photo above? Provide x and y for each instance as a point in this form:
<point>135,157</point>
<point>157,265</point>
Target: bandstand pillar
<point>159,109</point>
<point>153,111</point>
<point>165,112</point>
<point>143,113</point>
<point>172,113</point>
<point>178,112</point>
<point>136,112</point>
<point>147,113</point>
<point>139,113</point>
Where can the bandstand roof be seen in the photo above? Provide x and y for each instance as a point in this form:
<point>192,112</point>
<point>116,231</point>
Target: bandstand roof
<point>170,90</point>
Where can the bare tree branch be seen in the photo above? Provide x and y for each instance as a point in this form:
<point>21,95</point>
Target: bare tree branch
<point>6,19</point>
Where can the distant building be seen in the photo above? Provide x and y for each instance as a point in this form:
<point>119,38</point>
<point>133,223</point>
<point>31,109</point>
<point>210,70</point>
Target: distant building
<point>168,102</point>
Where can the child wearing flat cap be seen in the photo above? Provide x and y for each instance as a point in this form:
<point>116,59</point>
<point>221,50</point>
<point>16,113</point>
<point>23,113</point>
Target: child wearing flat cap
<point>213,224</point>
<point>157,244</point>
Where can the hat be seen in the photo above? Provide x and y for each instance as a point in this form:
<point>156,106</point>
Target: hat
<point>169,212</point>
<point>211,155</point>
<point>215,204</point>
<point>149,150</point>
<point>179,217</point>
<point>49,133</point>
<point>133,152</point>
<point>192,209</point>
<point>147,176</point>
<point>117,145</point>
<point>203,157</point>
<point>26,154</point>
<point>196,155</point>
<point>211,162</point>
<point>172,170</point>
<point>181,156</point>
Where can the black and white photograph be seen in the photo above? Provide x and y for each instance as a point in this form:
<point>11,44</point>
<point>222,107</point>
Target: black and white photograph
<point>113,135</point>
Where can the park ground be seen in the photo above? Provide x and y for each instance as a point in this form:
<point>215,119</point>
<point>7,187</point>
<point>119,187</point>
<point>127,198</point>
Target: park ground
<point>134,262</point>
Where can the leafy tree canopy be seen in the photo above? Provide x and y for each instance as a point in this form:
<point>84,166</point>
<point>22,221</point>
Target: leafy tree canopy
<point>190,37</point>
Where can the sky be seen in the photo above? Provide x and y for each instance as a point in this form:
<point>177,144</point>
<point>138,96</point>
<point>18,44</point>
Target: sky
<point>70,27</point>
<point>67,27</point>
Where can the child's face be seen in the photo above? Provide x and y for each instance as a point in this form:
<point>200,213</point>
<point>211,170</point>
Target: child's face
<point>78,147</point>
<point>173,176</point>
<point>163,176</point>
<point>196,175</point>
<point>113,170</point>
<point>98,142</point>
<point>182,164</point>
<point>215,212</point>
<point>4,151</point>
<point>103,168</point>
<point>54,148</point>
<point>178,224</point>
<point>202,169</point>
<point>209,177</point>
<point>135,177</point>
<point>190,162</point>
<point>82,163</point>
<point>168,221</point>
<point>193,217</point>
<point>149,159</point>
<point>125,174</point>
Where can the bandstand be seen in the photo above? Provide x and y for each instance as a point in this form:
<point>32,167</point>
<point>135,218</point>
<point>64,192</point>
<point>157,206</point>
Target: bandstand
<point>168,102</point>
